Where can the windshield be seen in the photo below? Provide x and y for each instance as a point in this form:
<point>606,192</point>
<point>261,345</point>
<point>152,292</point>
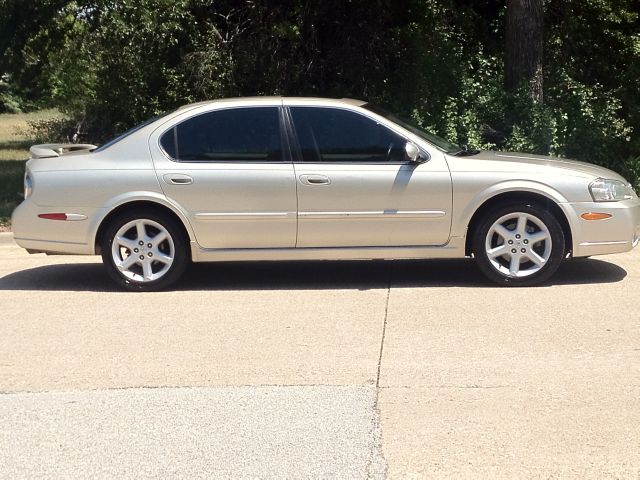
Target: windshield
<point>439,142</point>
<point>130,131</point>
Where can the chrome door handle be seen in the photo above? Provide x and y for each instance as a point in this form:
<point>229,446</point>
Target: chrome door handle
<point>315,179</point>
<point>177,179</point>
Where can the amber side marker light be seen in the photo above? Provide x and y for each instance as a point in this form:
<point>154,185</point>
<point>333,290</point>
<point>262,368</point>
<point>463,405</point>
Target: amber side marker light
<point>595,216</point>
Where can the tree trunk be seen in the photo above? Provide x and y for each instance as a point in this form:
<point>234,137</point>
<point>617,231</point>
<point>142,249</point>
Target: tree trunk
<point>524,49</point>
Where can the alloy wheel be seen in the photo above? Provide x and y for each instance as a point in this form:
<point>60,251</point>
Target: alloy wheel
<point>518,244</point>
<point>143,250</point>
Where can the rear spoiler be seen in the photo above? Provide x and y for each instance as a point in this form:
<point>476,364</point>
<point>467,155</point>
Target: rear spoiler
<point>48,150</point>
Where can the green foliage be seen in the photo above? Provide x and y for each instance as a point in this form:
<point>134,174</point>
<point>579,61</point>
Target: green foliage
<point>534,128</point>
<point>592,80</point>
<point>630,168</point>
<point>124,63</point>
<point>29,32</point>
<point>9,102</point>
<point>590,120</point>
<point>54,130</point>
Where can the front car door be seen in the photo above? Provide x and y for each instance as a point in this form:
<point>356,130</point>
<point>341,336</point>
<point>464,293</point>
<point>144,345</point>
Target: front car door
<point>226,167</point>
<point>355,186</point>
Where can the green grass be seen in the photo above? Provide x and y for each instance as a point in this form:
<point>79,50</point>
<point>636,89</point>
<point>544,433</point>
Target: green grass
<point>15,141</point>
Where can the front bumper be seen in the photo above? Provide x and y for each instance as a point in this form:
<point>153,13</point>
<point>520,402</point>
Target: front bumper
<point>617,234</point>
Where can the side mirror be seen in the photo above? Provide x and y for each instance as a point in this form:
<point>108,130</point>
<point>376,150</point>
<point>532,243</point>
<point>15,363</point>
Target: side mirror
<point>413,153</point>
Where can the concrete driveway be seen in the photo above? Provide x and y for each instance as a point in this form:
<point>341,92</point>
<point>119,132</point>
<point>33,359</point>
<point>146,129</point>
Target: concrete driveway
<point>319,370</point>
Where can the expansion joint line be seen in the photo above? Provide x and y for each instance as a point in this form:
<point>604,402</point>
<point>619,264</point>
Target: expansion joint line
<point>377,469</point>
<point>384,325</point>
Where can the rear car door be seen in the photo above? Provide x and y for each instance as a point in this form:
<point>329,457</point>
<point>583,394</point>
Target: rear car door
<point>228,170</point>
<point>356,187</point>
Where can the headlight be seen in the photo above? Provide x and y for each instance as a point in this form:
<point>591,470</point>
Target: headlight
<point>28,185</point>
<point>604,190</point>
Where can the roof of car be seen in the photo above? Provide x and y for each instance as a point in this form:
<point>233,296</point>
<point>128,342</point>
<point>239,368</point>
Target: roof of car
<point>349,101</point>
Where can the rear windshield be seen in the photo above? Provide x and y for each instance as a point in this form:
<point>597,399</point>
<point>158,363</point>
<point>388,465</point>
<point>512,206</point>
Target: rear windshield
<point>131,131</point>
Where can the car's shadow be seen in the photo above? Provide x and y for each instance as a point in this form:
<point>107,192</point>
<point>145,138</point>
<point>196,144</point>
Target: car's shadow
<point>311,275</point>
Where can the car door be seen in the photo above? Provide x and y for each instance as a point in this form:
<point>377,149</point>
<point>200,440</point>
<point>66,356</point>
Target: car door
<point>228,171</point>
<point>356,186</point>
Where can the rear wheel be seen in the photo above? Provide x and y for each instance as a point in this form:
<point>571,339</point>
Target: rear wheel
<point>519,245</point>
<point>144,251</point>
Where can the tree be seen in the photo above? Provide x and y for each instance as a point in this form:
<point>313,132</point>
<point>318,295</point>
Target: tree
<point>27,35</point>
<point>524,46</point>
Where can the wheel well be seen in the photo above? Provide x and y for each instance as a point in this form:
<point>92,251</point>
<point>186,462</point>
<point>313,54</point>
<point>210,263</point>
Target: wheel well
<point>519,197</point>
<point>149,206</point>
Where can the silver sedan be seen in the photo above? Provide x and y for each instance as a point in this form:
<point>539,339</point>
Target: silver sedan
<point>307,179</point>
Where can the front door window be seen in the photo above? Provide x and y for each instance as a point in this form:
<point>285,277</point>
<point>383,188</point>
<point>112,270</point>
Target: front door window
<point>335,135</point>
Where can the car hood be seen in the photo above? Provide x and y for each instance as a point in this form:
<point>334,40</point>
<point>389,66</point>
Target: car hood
<point>514,158</point>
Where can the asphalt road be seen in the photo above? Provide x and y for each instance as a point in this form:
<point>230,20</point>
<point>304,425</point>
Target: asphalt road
<point>319,370</point>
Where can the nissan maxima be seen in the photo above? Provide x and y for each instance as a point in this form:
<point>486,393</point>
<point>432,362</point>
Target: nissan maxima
<point>267,179</point>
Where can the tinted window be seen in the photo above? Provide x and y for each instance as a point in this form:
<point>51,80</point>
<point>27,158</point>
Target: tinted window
<point>130,131</point>
<point>439,142</point>
<point>239,134</point>
<point>335,135</point>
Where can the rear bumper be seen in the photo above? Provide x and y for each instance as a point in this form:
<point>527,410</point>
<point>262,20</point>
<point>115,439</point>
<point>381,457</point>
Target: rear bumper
<point>617,234</point>
<point>38,235</point>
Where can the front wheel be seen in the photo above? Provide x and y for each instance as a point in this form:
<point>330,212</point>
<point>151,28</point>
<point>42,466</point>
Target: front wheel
<point>519,245</point>
<point>144,251</point>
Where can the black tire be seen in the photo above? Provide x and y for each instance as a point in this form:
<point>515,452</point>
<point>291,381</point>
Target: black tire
<point>176,246</point>
<point>497,269</point>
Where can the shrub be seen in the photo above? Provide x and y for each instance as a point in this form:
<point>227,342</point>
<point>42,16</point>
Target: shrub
<point>9,102</point>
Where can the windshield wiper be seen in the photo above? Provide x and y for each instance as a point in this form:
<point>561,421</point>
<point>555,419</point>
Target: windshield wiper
<point>466,152</point>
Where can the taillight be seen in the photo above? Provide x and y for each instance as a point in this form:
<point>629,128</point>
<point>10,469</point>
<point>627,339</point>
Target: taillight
<point>28,185</point>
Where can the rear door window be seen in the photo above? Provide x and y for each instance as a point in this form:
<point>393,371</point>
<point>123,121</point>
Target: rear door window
<point>230,135</point>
